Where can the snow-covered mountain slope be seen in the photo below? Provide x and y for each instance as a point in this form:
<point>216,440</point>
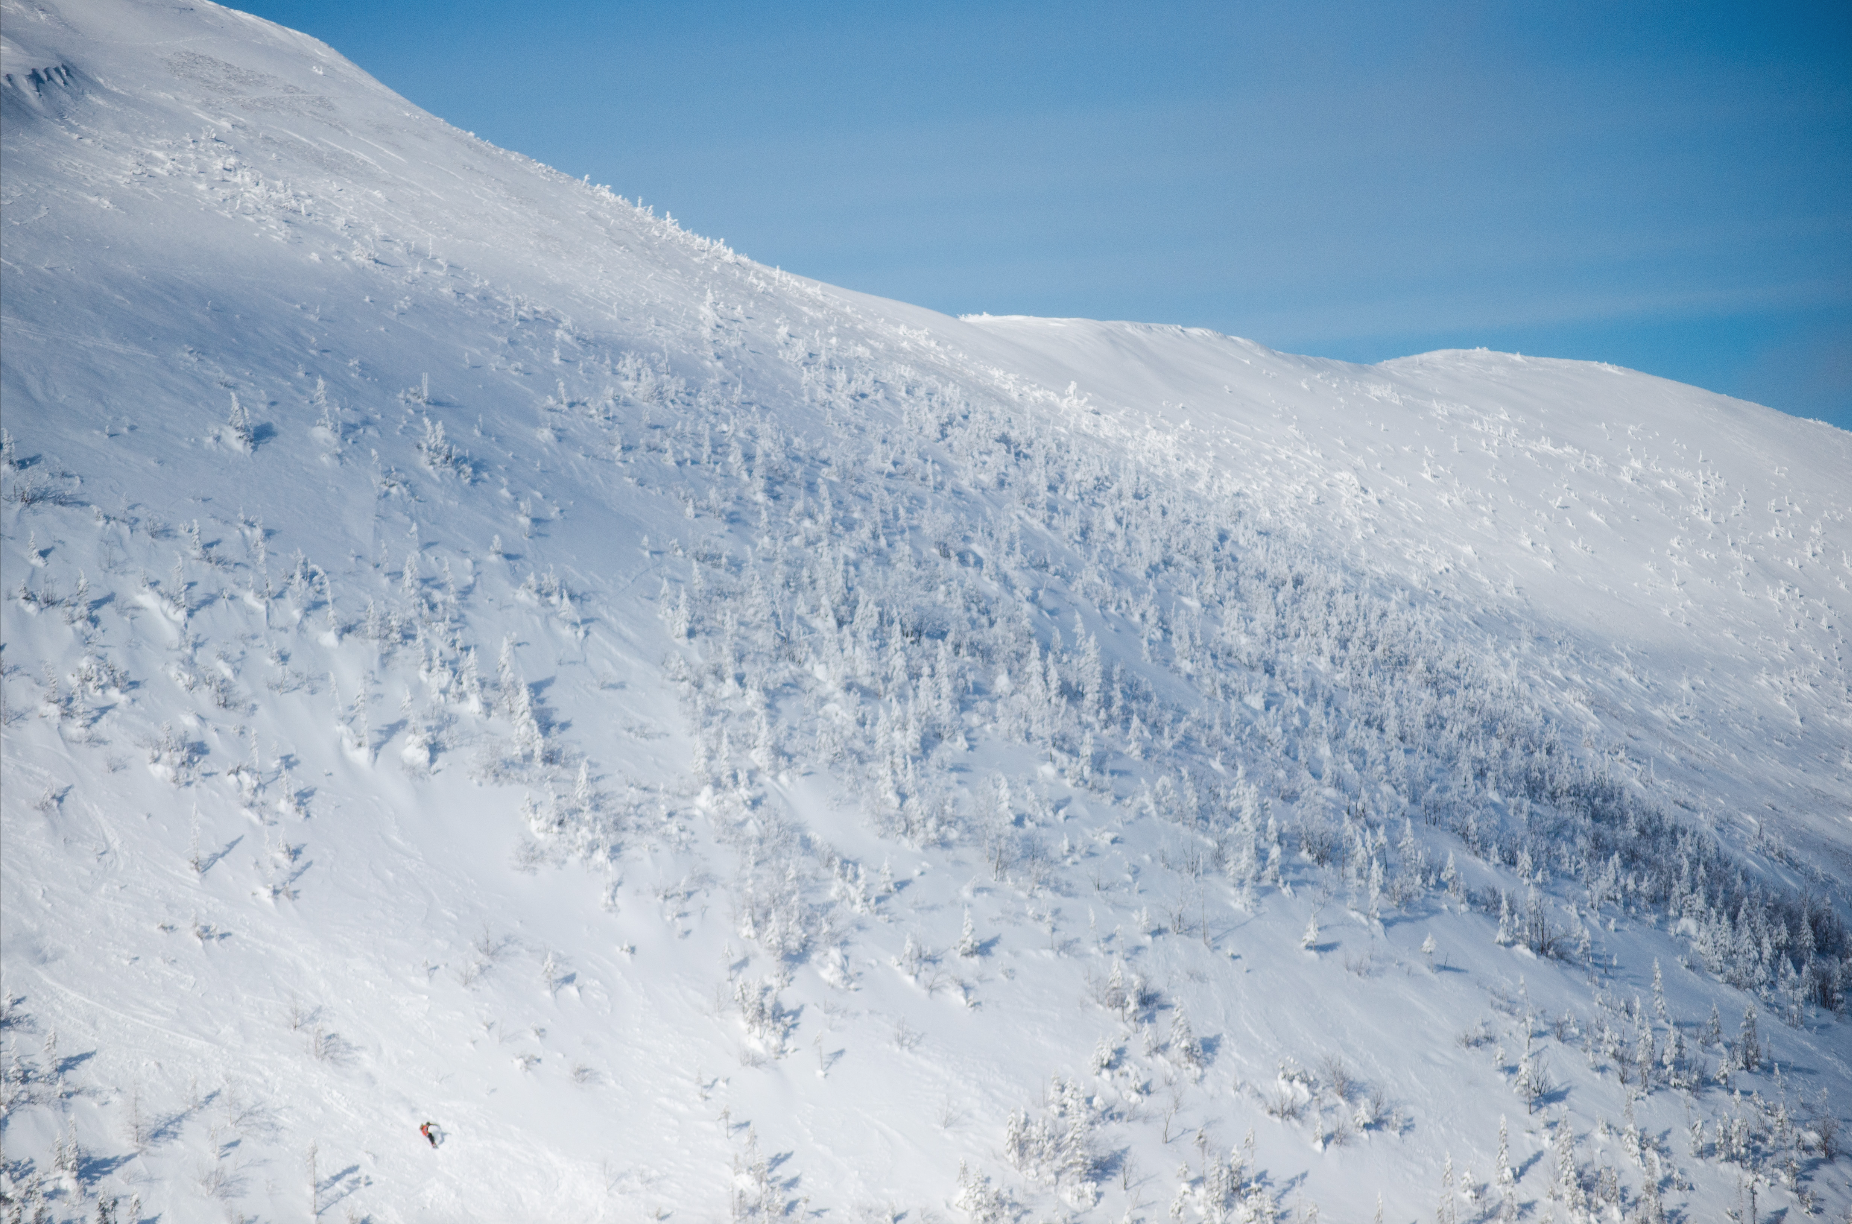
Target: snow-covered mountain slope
<point>1691,550</point>
<point>724,746</point>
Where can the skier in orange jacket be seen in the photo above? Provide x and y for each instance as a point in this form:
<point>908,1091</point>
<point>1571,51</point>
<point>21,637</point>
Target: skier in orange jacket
<point>425,1130</point>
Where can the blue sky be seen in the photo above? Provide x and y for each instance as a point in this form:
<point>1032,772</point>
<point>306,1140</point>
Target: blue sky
<point>1662,186</point>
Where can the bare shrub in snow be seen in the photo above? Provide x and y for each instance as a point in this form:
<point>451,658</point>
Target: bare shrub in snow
<point>171,756</point>
<point>441,456</point>
<point>1125,994</point>
<point>767,1022</point>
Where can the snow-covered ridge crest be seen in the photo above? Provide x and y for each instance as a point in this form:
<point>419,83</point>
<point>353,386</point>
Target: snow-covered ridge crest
<point>719,744</point>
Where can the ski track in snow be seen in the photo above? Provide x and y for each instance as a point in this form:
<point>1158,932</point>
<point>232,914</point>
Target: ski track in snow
<point>723,746</point>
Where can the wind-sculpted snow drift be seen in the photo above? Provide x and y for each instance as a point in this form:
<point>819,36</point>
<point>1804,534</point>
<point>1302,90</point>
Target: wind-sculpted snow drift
<point>726,747</point>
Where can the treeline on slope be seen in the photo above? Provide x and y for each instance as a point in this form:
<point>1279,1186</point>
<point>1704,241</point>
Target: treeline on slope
<point>951,567</point>
<point>941,568</point>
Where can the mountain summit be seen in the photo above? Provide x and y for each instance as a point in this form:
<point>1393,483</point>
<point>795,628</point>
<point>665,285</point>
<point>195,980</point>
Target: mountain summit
<point>716,745</point>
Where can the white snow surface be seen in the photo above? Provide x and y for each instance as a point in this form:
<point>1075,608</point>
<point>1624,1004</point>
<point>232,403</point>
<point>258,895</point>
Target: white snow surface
<point>476,652</point>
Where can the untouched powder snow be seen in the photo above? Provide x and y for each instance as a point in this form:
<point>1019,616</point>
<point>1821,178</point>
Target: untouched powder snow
<point>725,747</point>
